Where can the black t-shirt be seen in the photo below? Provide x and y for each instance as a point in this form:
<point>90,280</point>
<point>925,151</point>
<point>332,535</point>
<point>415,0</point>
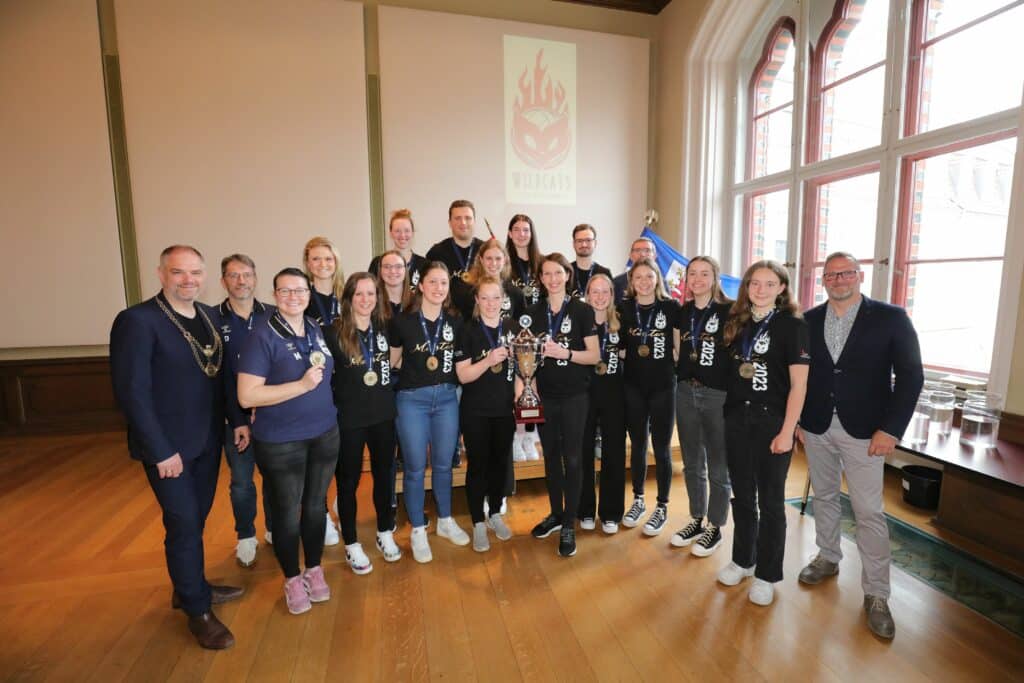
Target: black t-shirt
<point>413,267</point>
<point>562,378</point>
<point>407,332</point>
<point>360,405</point>
<point>464,301</point>
<point>657,369</point>
<point>782,342</point>
<point>525,279</point>
<point>458,259</point>
<point>491,394</point>
<point>711,367</point>
<point>323,308</point>
<point>610,344</point>
<point>580,278</point>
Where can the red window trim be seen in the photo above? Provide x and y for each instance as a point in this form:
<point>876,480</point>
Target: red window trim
<point>784,24</point>
<point>808,247</point>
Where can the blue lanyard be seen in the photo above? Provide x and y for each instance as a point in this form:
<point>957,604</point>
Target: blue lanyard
<point>464,261</point>
<point>645,327</point>
<point>556,323</point>
<point>324,317</point>
<point>432,343</point>
<point>695,330</point>
<point>492,341</point>
<point>750,339</point>
<point>525,276</point>
<point>298,340</point>
<point>581,284</point>
<point>602,335</point>
<point>366,347</point>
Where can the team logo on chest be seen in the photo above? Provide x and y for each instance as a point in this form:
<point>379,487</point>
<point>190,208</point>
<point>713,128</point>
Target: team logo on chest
<point>566,325</point>
<point>762,343</point>
<point>506,304</point>
<point>613,338</point>
<point>447,333</point>
<point>660,322</point>
<point>382,343</point>
<point>712,325</point>
<point>415,279</point>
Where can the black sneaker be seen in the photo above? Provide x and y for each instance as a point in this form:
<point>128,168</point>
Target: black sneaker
<point>546,527</point>
<point>656,522</point>
<point>689,533</point>
<point>708,541</point>
<point>567,542</point>
<point>635,512</point>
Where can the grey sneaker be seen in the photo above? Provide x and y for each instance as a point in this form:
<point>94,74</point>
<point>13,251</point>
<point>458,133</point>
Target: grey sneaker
<point>481,543</point>
<point>818,570</point>
<point>501,530</point>
<point>879,617</point>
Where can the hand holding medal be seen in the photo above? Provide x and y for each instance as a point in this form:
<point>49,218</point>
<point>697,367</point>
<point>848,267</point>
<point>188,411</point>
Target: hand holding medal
<point>313,376</point>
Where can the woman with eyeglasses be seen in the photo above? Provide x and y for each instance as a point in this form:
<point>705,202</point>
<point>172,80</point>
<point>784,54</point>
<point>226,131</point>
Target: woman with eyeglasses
<point>394,282</point>
<point>562,381</point>
<point>423,341</point>
<point>402,229</point>
<point>768,343</point>
<point>703,374</point>
<point>295,432</point>
<point>651,340</point>
<point>365,396</point>
<point>607,411</point>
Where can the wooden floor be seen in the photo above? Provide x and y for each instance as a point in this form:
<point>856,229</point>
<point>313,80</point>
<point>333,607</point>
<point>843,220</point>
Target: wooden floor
<point>84,597</point>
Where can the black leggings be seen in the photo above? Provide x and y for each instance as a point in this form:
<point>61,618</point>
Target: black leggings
<point>607,411</point>
<point>488,447</point>
<point>561,437</point>
<point>297,474</point>
<point>654,410</point>
<point>380,439</point>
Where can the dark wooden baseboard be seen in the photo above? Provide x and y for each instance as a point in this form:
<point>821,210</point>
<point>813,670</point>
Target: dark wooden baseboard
<point>57,396</point>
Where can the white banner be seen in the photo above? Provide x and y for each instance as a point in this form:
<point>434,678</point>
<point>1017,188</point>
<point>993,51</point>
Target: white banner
<point>540,121</point>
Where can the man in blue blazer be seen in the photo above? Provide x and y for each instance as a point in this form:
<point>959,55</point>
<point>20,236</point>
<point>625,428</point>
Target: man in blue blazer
<point>864,380</point>
<point>165,361</point>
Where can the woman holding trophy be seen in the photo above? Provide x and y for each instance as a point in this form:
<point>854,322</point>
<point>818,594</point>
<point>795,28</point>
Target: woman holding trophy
<point>423,341</point>
<point>570,348</point>
<point>525,257</point>
<point>486,409</point>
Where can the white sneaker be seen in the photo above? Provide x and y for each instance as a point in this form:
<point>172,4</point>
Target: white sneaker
<point>588,524</point>
<point>481,543</point>
<point>387,546</point>
<point>357,559</point>
<point>245,551</point>
<point>610,527</point>
<point>448,528</point>
<point>268,537</point>
<point>502,511</point>
<point>420,544</point>
<point>331,532</point>
<point>761,593</point>
<point>501,530</point>
<point>731,574</point>
<point>518,454</point>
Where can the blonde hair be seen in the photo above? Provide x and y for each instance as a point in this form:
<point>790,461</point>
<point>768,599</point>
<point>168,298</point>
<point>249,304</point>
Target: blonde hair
<point>477,272</point>
<point>486,280</point>
<point>338,281</point>
<point>717,295</point>
<point>612,313</point>
<point>659,285</point>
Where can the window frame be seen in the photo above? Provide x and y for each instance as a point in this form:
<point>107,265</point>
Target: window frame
<point>783,24</point>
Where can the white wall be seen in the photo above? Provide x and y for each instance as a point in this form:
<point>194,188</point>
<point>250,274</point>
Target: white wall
<point>246,128</point>
<point>58,224</point>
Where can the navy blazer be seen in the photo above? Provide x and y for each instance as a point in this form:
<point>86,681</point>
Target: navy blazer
<point>620,283</point>
<point>860,386</point>
<point>170,405</point>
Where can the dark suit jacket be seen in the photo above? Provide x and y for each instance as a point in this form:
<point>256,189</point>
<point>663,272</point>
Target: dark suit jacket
<point>170,405</point>
<point>621,283</point>
<point>860,387</point>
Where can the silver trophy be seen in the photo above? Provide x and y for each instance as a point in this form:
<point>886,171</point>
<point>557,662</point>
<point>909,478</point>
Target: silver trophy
<point>527,350</point>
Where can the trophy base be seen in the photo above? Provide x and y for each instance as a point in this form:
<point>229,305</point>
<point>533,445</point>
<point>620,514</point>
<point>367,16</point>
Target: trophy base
<point>529,415</point>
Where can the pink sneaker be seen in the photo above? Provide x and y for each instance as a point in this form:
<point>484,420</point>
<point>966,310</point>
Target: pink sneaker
<point>319,591</point>
<point>296,596</point>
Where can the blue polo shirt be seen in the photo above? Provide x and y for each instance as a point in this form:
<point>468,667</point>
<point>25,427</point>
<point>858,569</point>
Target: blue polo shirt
<point>272,352</point>
<point>234,330</point>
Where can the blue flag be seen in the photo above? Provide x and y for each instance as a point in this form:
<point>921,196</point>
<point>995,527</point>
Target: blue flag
<point>673,269</point>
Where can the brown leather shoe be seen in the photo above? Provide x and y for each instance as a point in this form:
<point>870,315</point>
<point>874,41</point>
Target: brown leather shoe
<point>218,595</point>
<point>210,632</point>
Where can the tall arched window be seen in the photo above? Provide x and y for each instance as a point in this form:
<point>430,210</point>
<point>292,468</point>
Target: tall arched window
<point>771,103</point>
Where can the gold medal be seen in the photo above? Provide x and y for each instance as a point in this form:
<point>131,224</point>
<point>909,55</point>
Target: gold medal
<point>601,368</point>
<point>693,356</point>
<point>370,378</point>
<point>496,369</point>
<point>746,370</point>
<point>643,350</point>
<point>317,359</point>
<point>432,363</point>
<point>464,276</point>
<point>211,370</point>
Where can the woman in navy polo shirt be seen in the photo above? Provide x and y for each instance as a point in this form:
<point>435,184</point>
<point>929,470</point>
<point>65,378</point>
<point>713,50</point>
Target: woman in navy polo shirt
<point>423,340</point>
<point>295,432</point>
<point>365,396</point>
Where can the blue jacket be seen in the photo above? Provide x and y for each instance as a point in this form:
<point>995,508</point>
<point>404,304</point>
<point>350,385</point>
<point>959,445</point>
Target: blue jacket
<point>860,387</point>
<point>169,403</point>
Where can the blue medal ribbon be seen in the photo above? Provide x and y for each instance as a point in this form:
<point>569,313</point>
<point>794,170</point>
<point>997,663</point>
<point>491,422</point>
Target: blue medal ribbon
<point>325,317</point>
<point>555,323</point>
<point>492,342</point>
<point>750,339</point>
<point>581,285</point>
<point>432,343</point>
<point>464,261</point>
<point>367,346</point>
<point>645,327</point>
<point>304,344</point>
<point>695,329</point>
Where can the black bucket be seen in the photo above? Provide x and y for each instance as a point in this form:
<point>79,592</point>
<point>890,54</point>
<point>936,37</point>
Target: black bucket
<point>921,486</point>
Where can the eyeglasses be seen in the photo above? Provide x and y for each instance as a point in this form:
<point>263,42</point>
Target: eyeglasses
<point>297,291</point>
<point>393,266</point>
<point>239,276</point>
<point>841,275</point>
<point>584,240</point>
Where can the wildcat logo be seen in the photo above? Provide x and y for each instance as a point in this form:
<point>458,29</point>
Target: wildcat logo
<point>762,343</point>
<point>540,133</point>
<point>712,325</point>
<point>447,333</point>
<point>613,338</point>
<point>566,325</point>
<point>382,342</point>
<point>660,321</point>
<point>506,304</point>
<point>415,279</point>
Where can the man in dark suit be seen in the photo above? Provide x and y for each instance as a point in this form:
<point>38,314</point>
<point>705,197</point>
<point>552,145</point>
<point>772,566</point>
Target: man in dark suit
<point>642,247</point>
<point>854,414</point>
<point>165,360</point>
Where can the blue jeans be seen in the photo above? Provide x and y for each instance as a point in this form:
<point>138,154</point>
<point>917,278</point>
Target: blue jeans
<point>428,415</point>
<point>700,419</point>
<point>243,490</point>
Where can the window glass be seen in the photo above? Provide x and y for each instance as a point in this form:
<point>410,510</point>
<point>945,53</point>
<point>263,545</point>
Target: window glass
<point>859,41</point>
<point>773,142</point>
<point>946,15</point>
<point>865,287</point>
<point>769,228</point>
<point>852,114</point>
<point>847,213</point>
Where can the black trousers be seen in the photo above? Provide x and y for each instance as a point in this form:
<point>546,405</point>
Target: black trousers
<point>489,450</point>
<point>186,501</point>
<point>758,487</point>
<point>298,474</point>
<point>561,437</point>
<point>380,439</point>
<point>653,411</point>
<point>607,411</point>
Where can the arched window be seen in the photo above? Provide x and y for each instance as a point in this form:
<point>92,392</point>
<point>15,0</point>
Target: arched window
<point>771,103</point>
